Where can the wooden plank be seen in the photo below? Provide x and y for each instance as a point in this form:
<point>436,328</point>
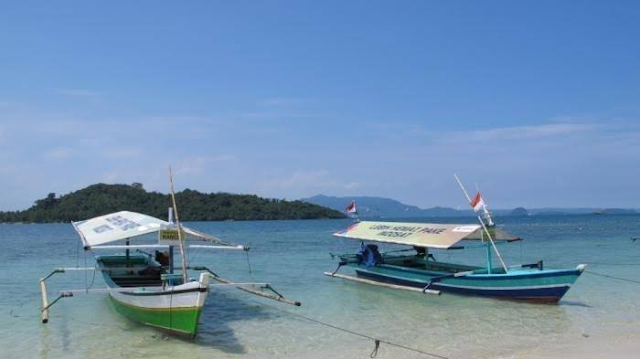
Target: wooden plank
<point>387,285</point>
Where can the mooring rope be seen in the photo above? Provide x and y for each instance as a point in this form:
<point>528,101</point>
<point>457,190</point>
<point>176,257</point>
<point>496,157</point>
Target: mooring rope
<point>614,264</point>
<point>78,255</point>
<point>86,287</point>
<point>93,280</point>
<point>376,341</point>
<point>612,277</point>
<point>249,264</point>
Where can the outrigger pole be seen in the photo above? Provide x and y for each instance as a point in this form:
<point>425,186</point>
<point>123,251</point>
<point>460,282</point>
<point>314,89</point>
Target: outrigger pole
<point>180,239</point>
<point>484,227</point>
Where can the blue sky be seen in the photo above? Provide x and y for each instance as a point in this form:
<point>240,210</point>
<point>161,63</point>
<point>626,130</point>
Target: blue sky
<point>535,101</point>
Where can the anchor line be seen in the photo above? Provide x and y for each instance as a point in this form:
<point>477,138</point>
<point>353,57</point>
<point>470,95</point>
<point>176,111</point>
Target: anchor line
<point>191,258</point>
<point>614,264</point>
<point>374,353</point>
<point>613,277</point>
<point>249,264</point>
<point>86,287</point>
<point>376,341</point>
<point>93,279</point>
<point>78,255</point>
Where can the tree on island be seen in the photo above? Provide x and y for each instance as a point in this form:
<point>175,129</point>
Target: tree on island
<point>100,199</point>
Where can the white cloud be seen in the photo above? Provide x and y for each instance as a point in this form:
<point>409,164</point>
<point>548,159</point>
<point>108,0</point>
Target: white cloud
<point>305,183</point>
<point>515,133</point>
<point>78,93</point>
<point>352,185</point>
<point>58,153</point>
<point>111,176</point>
<point>121,152</point>
<point>302,179</point>
<point>198,165</point>
<point>281,101</point>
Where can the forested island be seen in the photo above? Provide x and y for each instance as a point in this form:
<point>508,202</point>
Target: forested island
<point>100,199</point>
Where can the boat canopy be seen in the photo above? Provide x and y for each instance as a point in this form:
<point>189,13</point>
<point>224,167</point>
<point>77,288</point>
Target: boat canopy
<point>128,225</point>
<point>428,235</point>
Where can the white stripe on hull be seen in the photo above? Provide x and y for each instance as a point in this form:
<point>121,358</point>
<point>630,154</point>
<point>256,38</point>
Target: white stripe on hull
<point>195,298</point>
<point>450,285</point>
<point>503,288</point>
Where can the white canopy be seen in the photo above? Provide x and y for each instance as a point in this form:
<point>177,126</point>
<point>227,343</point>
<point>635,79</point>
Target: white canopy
<point>126,225</point>
<point>433,235</point>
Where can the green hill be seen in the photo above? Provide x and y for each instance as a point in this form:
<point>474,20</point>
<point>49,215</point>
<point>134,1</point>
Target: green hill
<point>100,199</point>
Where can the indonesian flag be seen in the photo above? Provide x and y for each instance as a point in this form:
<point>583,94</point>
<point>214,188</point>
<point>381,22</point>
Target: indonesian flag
<point>477,202</point>
<point>352,207</point>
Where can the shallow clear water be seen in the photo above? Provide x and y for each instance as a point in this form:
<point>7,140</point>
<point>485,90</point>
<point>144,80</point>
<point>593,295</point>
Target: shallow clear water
<point>292,256</point>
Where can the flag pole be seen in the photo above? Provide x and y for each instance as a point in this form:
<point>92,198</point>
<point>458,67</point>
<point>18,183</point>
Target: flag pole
<point>484,227</point>
<point>354,216</point>
<point>487,214</point>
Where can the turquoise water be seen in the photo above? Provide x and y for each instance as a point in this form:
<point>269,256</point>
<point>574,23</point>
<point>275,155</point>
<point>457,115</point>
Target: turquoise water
<point>292,256</point>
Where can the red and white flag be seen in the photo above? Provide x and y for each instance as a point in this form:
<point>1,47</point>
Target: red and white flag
<point>477,202</point>
<point>352,207</point>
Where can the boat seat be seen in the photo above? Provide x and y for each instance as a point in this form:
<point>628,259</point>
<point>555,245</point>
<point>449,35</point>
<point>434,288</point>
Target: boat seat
<point>145,277</point>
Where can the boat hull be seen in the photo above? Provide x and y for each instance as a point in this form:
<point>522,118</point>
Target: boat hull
<point>519,284</point>
<point>176,311</point>
<point>145,298</point>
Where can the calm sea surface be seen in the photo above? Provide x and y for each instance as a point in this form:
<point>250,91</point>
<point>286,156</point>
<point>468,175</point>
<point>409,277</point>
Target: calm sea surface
<point>292,256</point>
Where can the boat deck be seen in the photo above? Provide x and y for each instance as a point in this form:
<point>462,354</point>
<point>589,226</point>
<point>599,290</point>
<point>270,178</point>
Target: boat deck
<point>131,271</point>
<point>419,262</point>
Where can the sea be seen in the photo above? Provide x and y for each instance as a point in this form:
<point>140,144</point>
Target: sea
<point>337,319</point>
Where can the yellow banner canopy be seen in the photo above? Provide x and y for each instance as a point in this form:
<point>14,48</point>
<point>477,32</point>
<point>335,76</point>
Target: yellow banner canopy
<point>432,235</point>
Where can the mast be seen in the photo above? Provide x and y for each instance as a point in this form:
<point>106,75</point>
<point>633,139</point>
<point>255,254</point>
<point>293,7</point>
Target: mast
<point>170,218</point>
<point>180,239</point>
<point>484,227</point>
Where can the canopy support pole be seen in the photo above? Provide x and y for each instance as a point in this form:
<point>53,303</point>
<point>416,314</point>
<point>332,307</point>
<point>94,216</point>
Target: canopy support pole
<point>127,254</point>
<point>489,259</point>
<point>171,259</point>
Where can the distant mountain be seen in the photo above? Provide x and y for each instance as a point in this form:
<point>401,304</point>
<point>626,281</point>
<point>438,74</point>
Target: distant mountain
<point>614,211</point>
<point>520,211</point>
<point>566,211</point>
<point>101,199</point>
<point>368,206</point>
<point>380,207</point>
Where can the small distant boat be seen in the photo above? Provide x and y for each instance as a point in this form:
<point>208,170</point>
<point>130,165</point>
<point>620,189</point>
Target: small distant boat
<point>146,287</point>
<point>418,270</point>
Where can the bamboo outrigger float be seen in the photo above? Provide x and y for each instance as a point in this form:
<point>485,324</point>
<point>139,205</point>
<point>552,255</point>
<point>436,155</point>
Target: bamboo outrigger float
<point>146,287</point>
<point>417,268</point>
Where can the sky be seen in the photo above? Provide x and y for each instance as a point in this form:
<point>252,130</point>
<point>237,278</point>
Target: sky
<point>536,102</point>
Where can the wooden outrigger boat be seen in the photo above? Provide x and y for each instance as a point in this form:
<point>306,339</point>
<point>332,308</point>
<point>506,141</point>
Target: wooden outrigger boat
<point>146,287</point>
<point>420,271</point>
